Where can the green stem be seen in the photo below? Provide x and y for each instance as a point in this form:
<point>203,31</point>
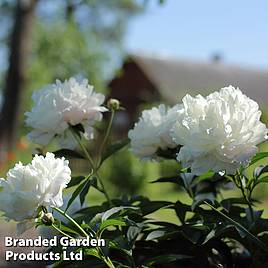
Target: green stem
<point>247,197</point>
<point>60,231</point>
<point>103,188</point>
<point>109,263</point>
<point>254,239</point>
<point>74,222</point>
<point>107,260</point>
<point>107,134</point>
<point>91,162</point>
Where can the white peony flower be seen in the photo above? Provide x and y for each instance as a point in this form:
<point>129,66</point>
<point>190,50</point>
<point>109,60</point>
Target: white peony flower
<point>60,104</point>
<point>219,132</point>
<point>151,132</point>
<point>39,183</point>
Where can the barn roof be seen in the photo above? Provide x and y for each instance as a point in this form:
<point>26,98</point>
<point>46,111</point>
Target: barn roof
<point>174,78</point>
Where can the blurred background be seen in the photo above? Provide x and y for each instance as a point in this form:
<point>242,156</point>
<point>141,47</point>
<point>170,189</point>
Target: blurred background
<point>141,52</point>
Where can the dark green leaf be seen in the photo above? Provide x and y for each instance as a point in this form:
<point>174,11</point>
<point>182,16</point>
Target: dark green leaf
<point>181,210</point>
<point>200,198</point>
<point>75,180</point>
<point>170,153</point>
<point>76,193</point>
<point>84,192</point>
<point>210,235</point>
<point>166,259</point>
<point>149,207</point>
<point>68,154</point>
<point>113,148</point>
<point>227,203</point>
<point>172,179</point>
<point>78,128</point>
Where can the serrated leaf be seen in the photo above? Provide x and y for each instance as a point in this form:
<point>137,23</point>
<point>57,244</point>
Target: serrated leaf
<point>67,153</point>
<point>113,148</point>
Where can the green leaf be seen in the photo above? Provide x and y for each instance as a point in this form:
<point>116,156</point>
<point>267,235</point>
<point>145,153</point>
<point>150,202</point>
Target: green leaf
<point>112,222</point>
<point>132,233</point>
<point>170,153</point>
<point>241,229</point>
<point>200,198</point>
<point>76,193</point>
<point>164,259</point>
<point>113,148</point>
<point>75,180</point>
<point>155,234</point>
<point>84,192</point>
<point>67,153</point>
<point>258,157</point>
<point>92,252</point>
<point>205,176</point>
<point>262,180</point>
<point>258,171</point>
<point>181,210</point>
<point>228,202</point>
<point>107,214</point>
<point>68,230</point>
<point>173,179</point>
<point>79,127</point>
<point>149,207</point>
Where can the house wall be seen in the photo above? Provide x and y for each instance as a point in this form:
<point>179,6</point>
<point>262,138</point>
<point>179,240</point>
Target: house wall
<point>133,89</point>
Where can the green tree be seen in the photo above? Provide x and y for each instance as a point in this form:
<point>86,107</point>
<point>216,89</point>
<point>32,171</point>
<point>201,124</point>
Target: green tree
<point>74,37</point>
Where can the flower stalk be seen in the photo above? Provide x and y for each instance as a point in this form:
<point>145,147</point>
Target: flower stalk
<point>106,259</point>
<point>91,162</point>
<point>253,238</point>
<point>107,134</point>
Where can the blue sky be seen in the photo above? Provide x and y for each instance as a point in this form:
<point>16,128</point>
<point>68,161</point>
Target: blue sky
<point>196,29</point>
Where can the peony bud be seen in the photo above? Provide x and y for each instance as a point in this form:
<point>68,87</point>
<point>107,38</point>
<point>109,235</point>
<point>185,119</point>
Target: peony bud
<point>47,219</point>
<point>113,104</point>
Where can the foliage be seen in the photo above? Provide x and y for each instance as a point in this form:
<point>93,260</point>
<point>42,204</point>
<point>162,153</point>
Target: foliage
<point>70,38</point>
<point>212,232</point>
